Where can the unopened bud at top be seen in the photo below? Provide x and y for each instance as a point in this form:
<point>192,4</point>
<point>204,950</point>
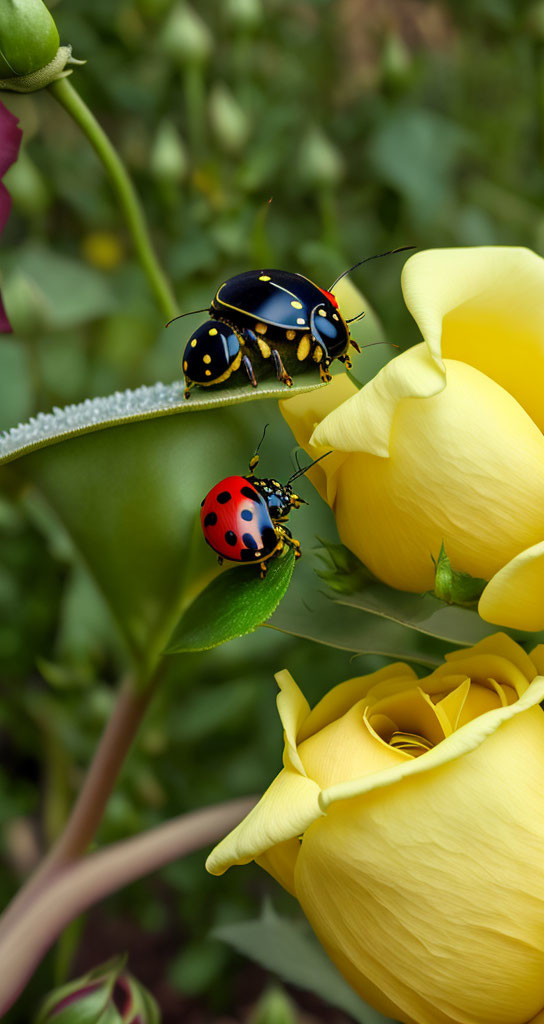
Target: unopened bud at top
<point>28,37</point>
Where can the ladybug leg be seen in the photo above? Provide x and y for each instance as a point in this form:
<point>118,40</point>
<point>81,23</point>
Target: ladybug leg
<point>291,541</point>
<point>354,344</point>
<point>219,560</point>
<point>249,370</point>
<point>346,361</point>
<point>188,387</point>
<point>281,372</point>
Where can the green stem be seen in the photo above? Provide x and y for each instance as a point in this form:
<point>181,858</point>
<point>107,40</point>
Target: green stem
<point>64,92</point>
<point>90,879</point>
<point>91,802</point>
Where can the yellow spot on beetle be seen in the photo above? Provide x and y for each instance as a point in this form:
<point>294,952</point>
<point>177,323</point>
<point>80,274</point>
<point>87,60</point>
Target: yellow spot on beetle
<point>290,335</point>
<point>208,373</point>
<point>206,359</point>
<point>212,330</point>
<point>260,328</point>
<point>185,366</point>
<point>300,320</point>
<point>317,353</point>
<point>193,343</point>
<point>296,305</point>
<point>322,312</point>
<point>335,316</point>
<point>303,349</point>
<point>264,277</point>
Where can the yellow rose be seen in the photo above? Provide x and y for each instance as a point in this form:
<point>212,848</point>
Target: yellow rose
<point>446,443</point>
<point>408,821</point>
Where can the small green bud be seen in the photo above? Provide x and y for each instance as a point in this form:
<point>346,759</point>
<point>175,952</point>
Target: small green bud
<point>244,14</point>
<point>229,121</point>
<point>344,572</point>
<point>453,586</point>
<point>186,38</point>
<point>106,995</point>
<point>27,305</point>
<point>168,155</point>
<point>28,37</point>
<point>320,162</point>
<point>274,1007</point>
<point>396,60</point>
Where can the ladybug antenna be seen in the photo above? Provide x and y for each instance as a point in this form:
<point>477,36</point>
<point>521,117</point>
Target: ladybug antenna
<point>190,313</point>
<point>391,252</point>
<point>254,460</point>
<point>266,426</point>
<point>304,469</point>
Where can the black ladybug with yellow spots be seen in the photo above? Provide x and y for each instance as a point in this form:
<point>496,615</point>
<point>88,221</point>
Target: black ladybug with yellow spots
<point>260,312</point>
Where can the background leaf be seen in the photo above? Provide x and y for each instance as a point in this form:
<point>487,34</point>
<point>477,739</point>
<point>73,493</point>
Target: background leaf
<point>289,950</point>
<point>232,605</point>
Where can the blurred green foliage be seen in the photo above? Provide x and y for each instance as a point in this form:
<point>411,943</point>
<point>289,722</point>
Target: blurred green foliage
<point>371,126</point>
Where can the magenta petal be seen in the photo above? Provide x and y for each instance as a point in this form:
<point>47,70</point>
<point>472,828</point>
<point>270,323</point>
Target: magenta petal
<point>10,139</point>
<point>5,326</point>
<point>5,205</point>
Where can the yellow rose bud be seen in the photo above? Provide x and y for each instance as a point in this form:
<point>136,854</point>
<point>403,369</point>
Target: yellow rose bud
<point>408,820</point>
<point>445,444</point>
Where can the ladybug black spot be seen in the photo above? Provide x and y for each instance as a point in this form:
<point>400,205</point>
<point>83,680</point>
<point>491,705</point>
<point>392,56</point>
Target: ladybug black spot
<point>230,536</point>
<point>247,555</point>
<point>247,515</point>
<point>269,538</point>
<point>202,502</point>
<point>224,497</point>
<point>248,492</point>
<point>249,541</point>
<point>210,519</point>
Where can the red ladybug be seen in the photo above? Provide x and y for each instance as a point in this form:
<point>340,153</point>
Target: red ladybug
<point>243,517</point>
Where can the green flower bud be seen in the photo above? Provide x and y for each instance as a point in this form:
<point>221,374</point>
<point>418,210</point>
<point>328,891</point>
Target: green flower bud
<point>229,121</point>
<point>106,995</point>
<point>453,586</point>
<point>344,573</point>
<point>244,14</point>
<point>320,162</point>
<point>168,155</point>
<point>28,37</point>
<point>185,36</point>
<point>274,1007</point>
<point>30,55</point>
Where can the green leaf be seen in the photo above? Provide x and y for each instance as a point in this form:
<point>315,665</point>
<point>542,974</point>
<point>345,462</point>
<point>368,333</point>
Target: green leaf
<point>456,587</point>
<point>288,949</point>
<point>232,605</point>
<point>312,612</point>
<point>147,402</point>
<point>71,292</point>
<point>426,614</point>
<point>126,475</point>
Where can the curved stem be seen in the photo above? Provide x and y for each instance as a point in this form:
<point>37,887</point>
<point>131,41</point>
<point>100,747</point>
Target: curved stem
<point>92,799</point>
<point>64,92</point>
<point>89,880</point>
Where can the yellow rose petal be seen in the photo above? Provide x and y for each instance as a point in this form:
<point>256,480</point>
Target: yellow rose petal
<point>484,306</point>
<point>346,749</point>
<point>280,862</point>
<point>293,709</point>
<point>302,413</point>
<point>341,698</point>
<point>515,595</point>
<point>416,899</point>
<point>364,422</point>
<point>499,644</point>
<point>285,811</point>
<point>466,467</point>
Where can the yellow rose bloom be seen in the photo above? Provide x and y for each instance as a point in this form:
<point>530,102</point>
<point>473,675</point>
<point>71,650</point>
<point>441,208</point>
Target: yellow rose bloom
<point>408,820</point>
<point>446,443</point>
